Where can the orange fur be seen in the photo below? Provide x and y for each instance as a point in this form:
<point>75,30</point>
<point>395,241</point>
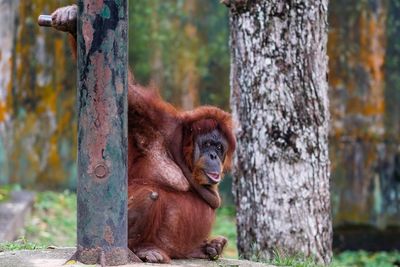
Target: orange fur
<point>175,223</point>
<point>204,120</point>
<point>181,220</point>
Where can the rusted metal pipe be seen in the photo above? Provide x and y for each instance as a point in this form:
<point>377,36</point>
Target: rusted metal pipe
<point>102,31</point>
<point>102,132</point>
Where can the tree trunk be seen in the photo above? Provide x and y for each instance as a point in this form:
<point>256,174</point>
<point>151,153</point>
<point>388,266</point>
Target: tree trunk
<point>280,105</point>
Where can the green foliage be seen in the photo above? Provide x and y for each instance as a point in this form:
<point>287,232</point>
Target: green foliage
<point>343,259</point>
<point>215,64</point>
<point>366,259</point>
<point>140,38</point>
<point>53,223</point>
<point>225,226</point>
<point>158,41</point>
<point>54,220</point>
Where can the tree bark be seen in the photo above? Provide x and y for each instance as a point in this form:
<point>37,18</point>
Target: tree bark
<point>280,104</point>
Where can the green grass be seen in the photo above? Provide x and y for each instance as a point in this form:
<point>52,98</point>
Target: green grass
<point>53,223</point>
<point>20,244</point>
<point>367,259</point>
<point>281,259</point>
<point>225,225</point>
<point>343,259</point>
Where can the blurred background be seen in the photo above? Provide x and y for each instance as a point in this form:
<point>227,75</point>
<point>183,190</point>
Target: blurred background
<point>182,47</point>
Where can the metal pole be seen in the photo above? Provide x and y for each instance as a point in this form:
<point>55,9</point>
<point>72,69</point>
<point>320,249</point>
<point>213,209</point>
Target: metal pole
<point>102,132</point>
<point>102,49</point>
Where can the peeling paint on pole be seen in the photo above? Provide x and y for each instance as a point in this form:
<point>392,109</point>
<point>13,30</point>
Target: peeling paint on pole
<point>102,132</point>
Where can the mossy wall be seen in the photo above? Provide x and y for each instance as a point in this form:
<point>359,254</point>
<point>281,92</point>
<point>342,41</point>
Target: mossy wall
<point>364,58</point>
<point>37,107</point>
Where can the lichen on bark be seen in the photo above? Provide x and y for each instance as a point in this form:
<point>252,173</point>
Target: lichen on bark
<point>280,105</point>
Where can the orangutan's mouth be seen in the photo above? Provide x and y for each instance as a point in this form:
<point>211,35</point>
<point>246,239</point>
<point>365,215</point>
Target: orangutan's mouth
<point>214,177</point>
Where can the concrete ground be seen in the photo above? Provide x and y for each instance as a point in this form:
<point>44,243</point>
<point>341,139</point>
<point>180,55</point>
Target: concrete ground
<point>58,257</point>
